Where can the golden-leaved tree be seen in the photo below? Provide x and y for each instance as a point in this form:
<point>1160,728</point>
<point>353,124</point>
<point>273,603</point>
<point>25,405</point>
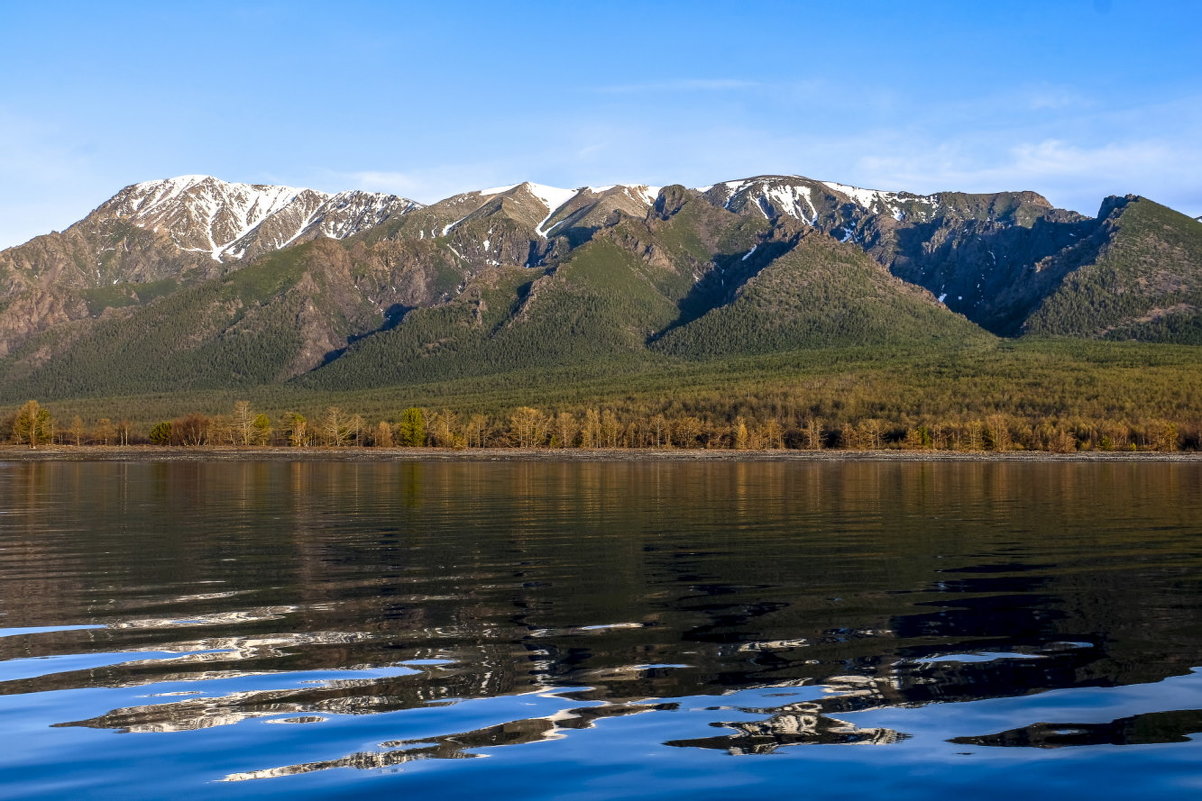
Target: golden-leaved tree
<point>33,425</point>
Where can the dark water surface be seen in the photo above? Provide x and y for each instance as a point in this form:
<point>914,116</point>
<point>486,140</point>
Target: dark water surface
<point>600,631</point>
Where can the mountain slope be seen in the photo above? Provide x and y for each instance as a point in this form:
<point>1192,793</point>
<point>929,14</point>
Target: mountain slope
<point>691,278</point>
<point>821,293</point>
<point>982,255</point>
<point>197,283</point>
<point>1144,283</point>
<point>275,319</point>
<point>150,238</point>
<point>601,303</point>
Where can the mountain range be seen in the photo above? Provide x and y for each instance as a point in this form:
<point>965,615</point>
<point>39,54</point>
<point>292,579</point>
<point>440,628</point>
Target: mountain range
<point>193,282</point>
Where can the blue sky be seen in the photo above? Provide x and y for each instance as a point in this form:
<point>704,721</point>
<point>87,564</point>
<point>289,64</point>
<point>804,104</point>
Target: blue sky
<point>1076,99</point>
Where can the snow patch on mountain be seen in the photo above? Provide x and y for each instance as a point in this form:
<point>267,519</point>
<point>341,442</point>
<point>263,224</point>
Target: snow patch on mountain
<point>788,200</point>
<point>647,194</point>
<point>882,202</point>
<point>734,187</point>
<point>227,220</point>
<point>553,198</point>
<point>641,192</point>
<point>231,221</point>
<point>773,195</point>
<point>496,190</point>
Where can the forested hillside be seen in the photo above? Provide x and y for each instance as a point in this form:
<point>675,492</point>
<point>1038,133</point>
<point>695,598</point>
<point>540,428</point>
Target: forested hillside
<point>193,284</point>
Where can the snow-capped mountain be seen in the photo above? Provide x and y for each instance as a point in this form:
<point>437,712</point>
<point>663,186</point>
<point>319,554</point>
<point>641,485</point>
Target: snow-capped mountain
<point>548,208</point>
<point>189,260</point>
<point>230,221</point>
<point>155,235</point>
<point>832,206</point>
<point>520,223</point>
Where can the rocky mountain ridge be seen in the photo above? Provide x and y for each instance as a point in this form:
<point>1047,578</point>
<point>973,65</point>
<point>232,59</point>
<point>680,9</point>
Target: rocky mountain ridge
<point>154,236</point>
<point>356,288</point>
<point>231,221</point>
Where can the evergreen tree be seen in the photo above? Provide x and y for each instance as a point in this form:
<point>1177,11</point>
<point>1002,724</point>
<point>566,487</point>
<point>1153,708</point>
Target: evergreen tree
<point>160,434</point>
<point>411,431</point>
<point>262,430</point>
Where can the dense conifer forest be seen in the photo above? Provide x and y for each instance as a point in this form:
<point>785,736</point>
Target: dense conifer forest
<point>1044,395</point>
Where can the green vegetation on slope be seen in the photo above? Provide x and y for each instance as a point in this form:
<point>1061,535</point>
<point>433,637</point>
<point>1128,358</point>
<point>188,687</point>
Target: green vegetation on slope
<point>1097,389</point>
<point>240,330</point>
<point>601,304</point>
<point>820,294</point>
<point>1146,283</point>
<point>692,281</point>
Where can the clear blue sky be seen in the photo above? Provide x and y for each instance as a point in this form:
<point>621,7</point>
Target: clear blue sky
<point>1076,99</point>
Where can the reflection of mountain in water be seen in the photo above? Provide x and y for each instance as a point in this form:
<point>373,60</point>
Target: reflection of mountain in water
<point>307,591</point>
<point>1154,727</point>
<point>793,724</point>
<point>460,746</point>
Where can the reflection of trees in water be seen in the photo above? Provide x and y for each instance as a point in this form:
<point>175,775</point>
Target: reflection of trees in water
<point>525,577</point>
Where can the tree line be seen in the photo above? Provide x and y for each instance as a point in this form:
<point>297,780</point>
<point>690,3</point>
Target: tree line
<point>530,427</point>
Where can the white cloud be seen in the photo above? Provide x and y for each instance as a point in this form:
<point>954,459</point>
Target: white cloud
<point>399,183</point>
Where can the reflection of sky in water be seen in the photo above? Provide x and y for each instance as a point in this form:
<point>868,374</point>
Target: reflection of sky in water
<point>509,627</point>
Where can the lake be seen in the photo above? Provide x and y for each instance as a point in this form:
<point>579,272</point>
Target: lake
<point>603,630</point>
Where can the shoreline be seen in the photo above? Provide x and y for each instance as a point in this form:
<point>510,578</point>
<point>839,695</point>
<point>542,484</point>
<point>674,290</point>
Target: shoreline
<point>150,453</point>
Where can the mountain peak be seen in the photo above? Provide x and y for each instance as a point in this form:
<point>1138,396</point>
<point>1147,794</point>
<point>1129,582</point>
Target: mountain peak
<point>1113,202</point>
<point>230,221</point>
<point>545,207</point>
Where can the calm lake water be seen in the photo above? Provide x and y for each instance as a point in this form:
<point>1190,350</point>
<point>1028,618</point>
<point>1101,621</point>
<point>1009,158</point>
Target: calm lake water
<point>600,631</point>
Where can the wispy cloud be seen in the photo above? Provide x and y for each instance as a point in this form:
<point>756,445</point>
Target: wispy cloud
<point>1067,147</point>
<point>680,85</point>
<point>426,184</point>
<point>1073,170</point>
<point>1072,174</point>
<point>1049,97</point>
<point>377,181</point>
